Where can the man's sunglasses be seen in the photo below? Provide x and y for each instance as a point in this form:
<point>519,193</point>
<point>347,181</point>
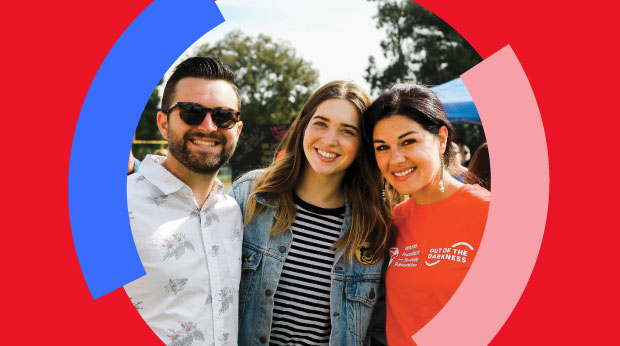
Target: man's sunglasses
<point>194,113</point>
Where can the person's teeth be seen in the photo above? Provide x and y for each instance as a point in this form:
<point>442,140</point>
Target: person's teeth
<point>404,172</point>
<point>326,154</point>
<point>205,143</point>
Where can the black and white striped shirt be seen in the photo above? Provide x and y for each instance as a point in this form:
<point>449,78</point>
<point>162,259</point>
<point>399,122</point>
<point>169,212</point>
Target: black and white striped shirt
<point>301,314</point>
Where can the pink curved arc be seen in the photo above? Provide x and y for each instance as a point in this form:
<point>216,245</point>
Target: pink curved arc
<point>518,209</point>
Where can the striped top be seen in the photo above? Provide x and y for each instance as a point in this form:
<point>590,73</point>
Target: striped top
<point>301,314</point>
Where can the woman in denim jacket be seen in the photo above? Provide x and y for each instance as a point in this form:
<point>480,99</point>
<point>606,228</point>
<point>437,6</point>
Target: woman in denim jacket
<point>325,182</point>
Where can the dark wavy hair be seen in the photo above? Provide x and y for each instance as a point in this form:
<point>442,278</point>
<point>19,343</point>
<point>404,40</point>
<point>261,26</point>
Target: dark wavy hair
<point>361,183</point>
<point>419,104</point>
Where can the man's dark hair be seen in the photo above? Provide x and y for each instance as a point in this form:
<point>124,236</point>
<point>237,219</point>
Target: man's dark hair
<point>198,67</point>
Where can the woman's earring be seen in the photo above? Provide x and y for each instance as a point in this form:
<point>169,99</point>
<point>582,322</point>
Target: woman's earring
<point>441,175</point>
<point>383,192</point>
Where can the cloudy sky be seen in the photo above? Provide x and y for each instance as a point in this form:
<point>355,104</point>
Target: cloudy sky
<point>336,36</point>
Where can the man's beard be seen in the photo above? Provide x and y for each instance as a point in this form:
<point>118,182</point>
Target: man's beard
<point>199,162</point>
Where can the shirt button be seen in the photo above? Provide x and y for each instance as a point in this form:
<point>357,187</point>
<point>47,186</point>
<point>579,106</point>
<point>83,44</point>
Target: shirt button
<point>268,293</point>
<point>371,295</point>
<point>282,249</point>
<point>262,339</point>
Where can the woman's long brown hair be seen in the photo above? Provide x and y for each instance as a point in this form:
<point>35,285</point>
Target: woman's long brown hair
<point>362,182</point>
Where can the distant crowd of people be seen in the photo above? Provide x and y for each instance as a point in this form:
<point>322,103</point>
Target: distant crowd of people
<point>318,248</point>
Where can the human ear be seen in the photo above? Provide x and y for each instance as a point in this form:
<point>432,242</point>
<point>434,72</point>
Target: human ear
<point>162,124</point>
<point>442,136</point>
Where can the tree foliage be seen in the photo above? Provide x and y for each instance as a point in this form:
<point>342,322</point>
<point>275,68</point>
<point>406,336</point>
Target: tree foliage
<point>147,126</point>
<point>273,81</point>
<point>419,46</point>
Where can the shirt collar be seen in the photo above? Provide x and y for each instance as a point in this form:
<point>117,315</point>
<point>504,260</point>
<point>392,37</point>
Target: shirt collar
<point>151,168</point>
<point>218,187</point>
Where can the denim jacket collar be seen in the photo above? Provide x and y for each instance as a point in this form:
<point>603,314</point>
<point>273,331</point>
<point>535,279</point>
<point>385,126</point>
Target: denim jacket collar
<point>348,216</point>
<point>261,198</point>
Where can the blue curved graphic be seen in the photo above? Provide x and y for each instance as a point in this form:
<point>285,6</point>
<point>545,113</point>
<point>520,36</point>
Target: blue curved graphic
<point>107,122</point>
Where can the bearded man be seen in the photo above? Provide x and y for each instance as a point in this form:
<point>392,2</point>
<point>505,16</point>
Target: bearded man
<point>187,230</point>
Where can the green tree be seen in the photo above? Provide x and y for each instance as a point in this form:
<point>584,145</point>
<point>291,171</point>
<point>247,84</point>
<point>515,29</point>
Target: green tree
<point>147,126</point>
<point>273,81</point>
<point>420,47</point>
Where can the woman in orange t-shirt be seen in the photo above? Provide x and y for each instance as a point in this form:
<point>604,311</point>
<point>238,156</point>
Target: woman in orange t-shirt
<point>438,230</point>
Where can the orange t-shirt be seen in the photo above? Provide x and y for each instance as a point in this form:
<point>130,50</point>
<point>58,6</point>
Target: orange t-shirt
<point>434,247</point>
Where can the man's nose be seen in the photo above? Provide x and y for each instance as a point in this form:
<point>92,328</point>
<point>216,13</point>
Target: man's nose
<point>207,123</point>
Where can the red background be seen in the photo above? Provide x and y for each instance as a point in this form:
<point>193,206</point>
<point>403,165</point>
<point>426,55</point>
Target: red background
<point>51,52</point>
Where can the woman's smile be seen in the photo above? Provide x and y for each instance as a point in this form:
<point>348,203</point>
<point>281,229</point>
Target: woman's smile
<point>326,155</point>
<point>403,174</point>
<point>332,137</point>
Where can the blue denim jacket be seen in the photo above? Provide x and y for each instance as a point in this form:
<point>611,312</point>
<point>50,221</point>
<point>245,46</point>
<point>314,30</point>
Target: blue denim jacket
<point>354,287</point>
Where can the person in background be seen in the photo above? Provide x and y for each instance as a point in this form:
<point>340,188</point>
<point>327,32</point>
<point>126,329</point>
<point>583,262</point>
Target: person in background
<point>316,230</point>
<point>186,230</point>
<point>282,151</point>
<point>161,152</point>
<point>438,230</point>
<point>479,171</point>
<point>465,154</point>
<point>458,155</point>
<point>457,169</point>
<point>134,164</point>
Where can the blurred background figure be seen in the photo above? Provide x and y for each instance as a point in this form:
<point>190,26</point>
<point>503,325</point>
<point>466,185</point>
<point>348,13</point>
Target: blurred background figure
<point>133,164</point>
<point>161,152</point>
<point>457,152</point>
<point>479,169</point>
<point>465,154</point>
<point>282,151</point>
<point>458,171</point>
